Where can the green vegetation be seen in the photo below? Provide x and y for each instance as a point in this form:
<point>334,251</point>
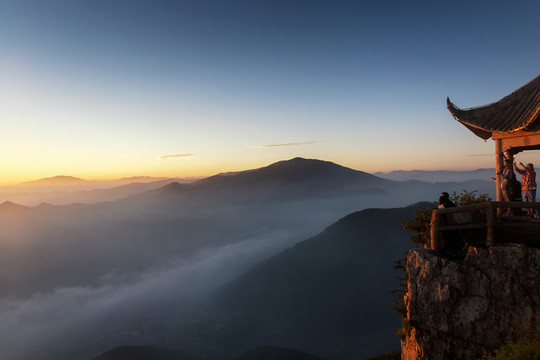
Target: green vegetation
<point>420,227</point>
<point>522,350</point>
<point>420,224</point>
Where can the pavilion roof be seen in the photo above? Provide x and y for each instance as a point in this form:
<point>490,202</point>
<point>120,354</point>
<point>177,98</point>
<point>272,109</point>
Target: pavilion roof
<point>517,111</point>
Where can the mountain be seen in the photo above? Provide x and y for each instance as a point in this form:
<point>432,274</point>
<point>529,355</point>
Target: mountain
<point>55,180</point>
<point>146,352</point>
<point>438,175</point>
<point>310,179</point>
<point>293,198</point>
<point>152,352</point>
<point>275,353</point>
<point>70,181</point>
<point>8,207</point>
<point>147,267</point>
<point>289,180</point>
<point>65,190</point>
<point>329,295</point>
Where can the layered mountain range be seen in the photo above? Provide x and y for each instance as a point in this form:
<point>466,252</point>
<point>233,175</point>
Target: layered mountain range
<point>213,267</point>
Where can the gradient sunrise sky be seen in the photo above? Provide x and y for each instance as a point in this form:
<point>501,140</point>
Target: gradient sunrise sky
<point>110,88</point>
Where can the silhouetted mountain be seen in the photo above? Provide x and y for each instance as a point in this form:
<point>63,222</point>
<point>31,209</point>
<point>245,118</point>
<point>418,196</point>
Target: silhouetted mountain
<point>438,175</point>
<point>275,353</point>
<point>309,179</point>
<point>147,352</point>
<point>58,192</point>
<point>152,352</point>
<point>285,180</point>
<point>329,295</point>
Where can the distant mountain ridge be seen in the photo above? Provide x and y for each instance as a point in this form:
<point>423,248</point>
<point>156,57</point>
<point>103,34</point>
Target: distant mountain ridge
<point>434,176</point>
<point>295,178</point>
<point>145,352</point>
<point>64,190</point>
<point>301,178</point>
<point>59,179</point>
<point>11,207</point>
<point>152,352</point>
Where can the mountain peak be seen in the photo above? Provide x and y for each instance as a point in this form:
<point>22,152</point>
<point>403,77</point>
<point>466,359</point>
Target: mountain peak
<point>11,206</point>
<point>55,180</point>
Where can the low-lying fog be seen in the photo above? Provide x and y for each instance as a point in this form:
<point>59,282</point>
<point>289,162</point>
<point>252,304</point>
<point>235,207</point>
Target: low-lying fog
<point>78,280</point>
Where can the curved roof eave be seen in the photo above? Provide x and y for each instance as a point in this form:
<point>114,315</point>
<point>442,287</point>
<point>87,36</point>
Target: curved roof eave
<point>516,111</point>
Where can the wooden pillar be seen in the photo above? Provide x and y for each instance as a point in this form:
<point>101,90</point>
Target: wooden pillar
<point>435,230</point>
<point>499,160</point>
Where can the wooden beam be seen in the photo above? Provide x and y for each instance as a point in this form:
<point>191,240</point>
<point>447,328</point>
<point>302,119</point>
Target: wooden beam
<point>523,140</point>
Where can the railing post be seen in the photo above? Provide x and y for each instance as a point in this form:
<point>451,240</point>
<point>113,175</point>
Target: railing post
<point>490,222</point>
<point>435,218</point>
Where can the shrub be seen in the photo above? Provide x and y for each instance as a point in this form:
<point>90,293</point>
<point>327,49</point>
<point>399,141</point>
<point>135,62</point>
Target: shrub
<point>522,350</point>
<point>420,225</point>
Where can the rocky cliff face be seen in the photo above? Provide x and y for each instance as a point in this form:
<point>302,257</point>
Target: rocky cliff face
<point>459,309</point>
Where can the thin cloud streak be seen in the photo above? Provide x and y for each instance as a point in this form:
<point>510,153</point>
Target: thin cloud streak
<point>284,144</point>
<point>175,156</point>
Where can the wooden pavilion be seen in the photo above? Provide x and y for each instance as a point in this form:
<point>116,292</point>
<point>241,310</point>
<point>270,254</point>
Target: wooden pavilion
<point>513,122</point>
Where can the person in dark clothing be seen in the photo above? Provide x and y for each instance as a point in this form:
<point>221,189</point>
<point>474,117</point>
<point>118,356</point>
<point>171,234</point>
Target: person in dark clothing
<point>506,174</point>
<point>452,240</point>
<point>445,202</point>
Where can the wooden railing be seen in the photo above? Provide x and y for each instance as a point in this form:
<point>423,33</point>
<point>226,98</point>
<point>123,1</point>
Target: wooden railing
<point>479,216</point>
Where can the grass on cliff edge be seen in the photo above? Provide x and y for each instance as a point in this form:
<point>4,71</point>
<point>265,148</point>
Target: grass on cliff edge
<point>522,350</point>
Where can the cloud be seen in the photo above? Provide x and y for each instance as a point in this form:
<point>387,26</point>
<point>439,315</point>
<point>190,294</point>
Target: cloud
<point>283,144</point>
<point>63,320</point>
<point>174,156</point>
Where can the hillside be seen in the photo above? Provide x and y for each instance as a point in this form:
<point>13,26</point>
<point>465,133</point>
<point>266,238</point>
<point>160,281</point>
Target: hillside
<point>146,352</point>
<point>329,295</point>
<point>152,352</point>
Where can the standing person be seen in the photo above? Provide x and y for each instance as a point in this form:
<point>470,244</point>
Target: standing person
<point>528,185</point>
<point>506,183</point>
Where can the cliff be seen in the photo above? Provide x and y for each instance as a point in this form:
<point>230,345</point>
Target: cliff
<point>460,309</point>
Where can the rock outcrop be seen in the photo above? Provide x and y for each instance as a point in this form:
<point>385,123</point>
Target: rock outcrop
<point>460,309</point>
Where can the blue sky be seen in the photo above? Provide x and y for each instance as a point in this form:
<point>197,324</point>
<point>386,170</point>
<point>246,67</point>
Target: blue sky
<point>100,89</point>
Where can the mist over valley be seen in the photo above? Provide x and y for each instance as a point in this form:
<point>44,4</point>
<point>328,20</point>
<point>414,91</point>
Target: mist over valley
<point>213,267</point>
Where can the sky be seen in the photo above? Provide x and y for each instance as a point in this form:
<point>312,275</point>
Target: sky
<point>102,89</point>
